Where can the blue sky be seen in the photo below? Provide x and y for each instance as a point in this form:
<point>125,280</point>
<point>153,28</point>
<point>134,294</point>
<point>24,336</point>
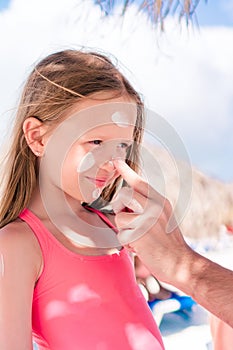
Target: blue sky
<point>185,77</point>
<point>215,13</point>
<point>212,12</point>
<point>4,4</point>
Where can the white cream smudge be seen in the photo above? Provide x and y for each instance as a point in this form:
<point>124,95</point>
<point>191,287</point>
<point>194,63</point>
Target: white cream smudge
<point>2,267</point>
<point>121,119</point>
<point>96,193</point>
<point>86,163</point>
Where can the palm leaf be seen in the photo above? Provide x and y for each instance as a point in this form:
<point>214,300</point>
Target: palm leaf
<point>156,10</point>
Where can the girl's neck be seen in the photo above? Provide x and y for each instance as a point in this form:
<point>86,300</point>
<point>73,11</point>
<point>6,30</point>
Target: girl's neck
<point>37,207</point>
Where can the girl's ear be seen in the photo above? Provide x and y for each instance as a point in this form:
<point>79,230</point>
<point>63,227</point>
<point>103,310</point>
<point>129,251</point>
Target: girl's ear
<point>35,135</point>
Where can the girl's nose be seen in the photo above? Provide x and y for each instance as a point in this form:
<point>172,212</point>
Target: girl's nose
<point>108,165</point>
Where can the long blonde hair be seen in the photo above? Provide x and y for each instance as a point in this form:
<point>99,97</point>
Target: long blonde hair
<point>58,81</point>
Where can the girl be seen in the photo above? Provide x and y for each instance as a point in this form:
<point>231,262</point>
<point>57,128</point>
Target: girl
<point>58,281</point>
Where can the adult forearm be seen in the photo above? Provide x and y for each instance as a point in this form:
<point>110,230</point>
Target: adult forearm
<point>174,262</point>
<point>211,285</point>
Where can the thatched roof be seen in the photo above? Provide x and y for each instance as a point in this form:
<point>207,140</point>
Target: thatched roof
<point>211,201</point>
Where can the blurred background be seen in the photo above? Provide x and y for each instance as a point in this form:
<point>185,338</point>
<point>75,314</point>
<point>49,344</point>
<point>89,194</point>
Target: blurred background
<point>180,59</point>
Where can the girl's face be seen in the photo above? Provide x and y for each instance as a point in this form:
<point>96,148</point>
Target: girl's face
<point>88,167</point>
<point>104,130</point>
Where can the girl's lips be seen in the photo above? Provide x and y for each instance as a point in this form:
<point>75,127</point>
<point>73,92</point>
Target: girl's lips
<point>98,182</point>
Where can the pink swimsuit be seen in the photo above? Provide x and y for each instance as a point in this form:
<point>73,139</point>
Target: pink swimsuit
<point>88,302</point>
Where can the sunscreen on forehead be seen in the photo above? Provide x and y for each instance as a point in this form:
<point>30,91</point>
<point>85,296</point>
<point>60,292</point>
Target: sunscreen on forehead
<point>120,119</point>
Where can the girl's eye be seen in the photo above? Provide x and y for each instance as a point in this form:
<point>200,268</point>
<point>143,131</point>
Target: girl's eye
<point>123,145</point>
<point>96,142</point>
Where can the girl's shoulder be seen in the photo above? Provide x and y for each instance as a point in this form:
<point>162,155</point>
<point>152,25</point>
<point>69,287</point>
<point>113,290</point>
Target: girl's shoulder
<point>18,242</point>
<point>16,232</point>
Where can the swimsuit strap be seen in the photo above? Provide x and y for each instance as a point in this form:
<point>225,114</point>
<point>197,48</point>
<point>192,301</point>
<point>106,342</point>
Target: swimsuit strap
<point>102,216</point>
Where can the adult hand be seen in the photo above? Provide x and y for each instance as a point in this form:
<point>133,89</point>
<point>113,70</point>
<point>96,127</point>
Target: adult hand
<point>167,255</point>
<point>152,232</point>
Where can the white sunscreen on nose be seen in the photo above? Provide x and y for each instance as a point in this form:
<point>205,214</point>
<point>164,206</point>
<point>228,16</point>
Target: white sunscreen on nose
<point>120,119</point>
<point>87,162</point>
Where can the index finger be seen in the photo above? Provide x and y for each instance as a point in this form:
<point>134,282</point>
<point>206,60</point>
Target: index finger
<point>132,178</point>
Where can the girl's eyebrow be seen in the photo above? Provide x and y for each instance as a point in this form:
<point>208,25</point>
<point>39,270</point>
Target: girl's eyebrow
<point>92,137</point>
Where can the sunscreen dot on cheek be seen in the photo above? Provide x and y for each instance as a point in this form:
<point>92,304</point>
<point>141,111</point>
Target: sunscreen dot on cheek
<point>96,193</point>
<point>87,162</point>
<point>121,119</point>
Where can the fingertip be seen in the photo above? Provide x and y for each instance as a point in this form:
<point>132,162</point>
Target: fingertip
<point>117,161</point>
